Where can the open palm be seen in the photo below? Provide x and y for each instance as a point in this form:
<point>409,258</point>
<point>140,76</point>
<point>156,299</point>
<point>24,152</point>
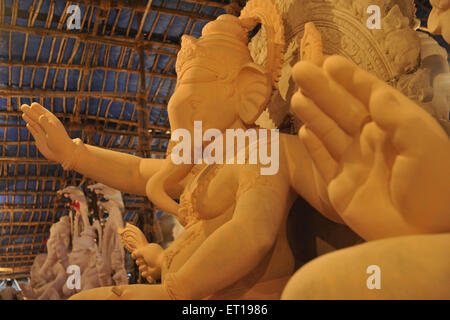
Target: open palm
<point>49,133</point>
<point>384,159</point>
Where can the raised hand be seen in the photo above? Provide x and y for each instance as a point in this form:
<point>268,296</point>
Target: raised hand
<point>109,205</point>
<point>48,132</point>
<point>74,194</point>
<point>149,260</point>
<point>108,193</point>
<point>385,160</point>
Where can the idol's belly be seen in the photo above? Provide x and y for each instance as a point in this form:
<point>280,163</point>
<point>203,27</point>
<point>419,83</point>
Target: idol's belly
<point>278,263</point>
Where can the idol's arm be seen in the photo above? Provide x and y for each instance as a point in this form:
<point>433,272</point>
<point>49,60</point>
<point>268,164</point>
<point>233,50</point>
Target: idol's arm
<point>121,171</point>
<point>118,170</point>
<point>234,249</point>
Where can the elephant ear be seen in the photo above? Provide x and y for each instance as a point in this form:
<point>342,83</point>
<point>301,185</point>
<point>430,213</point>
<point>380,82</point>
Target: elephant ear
<point>254,88</point>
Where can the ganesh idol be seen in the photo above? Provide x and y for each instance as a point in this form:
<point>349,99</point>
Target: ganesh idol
<point>359,160</point>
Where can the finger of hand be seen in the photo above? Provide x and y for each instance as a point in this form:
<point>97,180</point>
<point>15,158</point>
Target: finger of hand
<point>33,131</point>
<point>31,112</point>
<point>354,169</point>
<point>27,119</point>
<point>348,112</point>
<point>36,126</point>
<point>45,124</point>
<point>334,139</point>
<point>154,272</point>
<point>358,82</point>
<point>140,261</point>
<point>386,110</point>
<point>150,279</point>
<point>322,159</point>
<point>342,190</point>
<point>38,109</point>
<point>25,108</point>
<point>142,268</point>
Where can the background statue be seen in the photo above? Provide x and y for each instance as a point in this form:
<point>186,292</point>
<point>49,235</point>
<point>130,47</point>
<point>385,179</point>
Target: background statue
<point>101,262</point>
<point>79,202</point>
<point>9,293</point>
<point>48,273</point>
<point>57,247</point>
<point>111,246</point>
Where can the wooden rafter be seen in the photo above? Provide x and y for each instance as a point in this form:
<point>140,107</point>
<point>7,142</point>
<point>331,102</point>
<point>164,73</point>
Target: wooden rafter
<point>107,40</point>
<point>79,67</point>
<point>17,269</point>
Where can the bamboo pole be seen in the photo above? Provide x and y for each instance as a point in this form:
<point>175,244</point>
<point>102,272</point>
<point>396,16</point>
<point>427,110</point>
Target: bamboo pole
<point>80,67</point>
<point>103,39</point>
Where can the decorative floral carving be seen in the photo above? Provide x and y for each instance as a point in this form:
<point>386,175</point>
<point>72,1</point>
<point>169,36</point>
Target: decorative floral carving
<point>386,53</point>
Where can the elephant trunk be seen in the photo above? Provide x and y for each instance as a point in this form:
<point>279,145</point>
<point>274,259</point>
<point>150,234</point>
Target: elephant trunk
<point>157,186</point>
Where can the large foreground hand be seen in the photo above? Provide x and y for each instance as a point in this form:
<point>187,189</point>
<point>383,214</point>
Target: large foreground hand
<point>385,160</point>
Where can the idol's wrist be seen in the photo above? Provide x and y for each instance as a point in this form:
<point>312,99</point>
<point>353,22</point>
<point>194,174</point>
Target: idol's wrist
<point>73,154</point>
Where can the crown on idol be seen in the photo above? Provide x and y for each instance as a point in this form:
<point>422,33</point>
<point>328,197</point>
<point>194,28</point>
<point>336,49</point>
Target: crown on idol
<point>223,46</point>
